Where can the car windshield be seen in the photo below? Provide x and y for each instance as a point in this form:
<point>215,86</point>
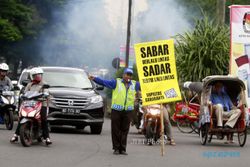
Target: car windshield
<point>75,79</point>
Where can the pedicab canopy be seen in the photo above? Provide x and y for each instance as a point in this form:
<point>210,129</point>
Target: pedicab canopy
<point>232,84</point>
<point>157,72</point>
<point>193,86</point>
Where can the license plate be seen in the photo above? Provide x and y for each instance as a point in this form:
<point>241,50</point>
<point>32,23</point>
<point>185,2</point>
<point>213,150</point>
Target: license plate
<point>71,111</point>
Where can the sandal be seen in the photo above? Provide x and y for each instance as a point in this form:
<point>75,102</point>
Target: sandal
<point>48,141</point>
<point>14,138</point>
<point>172,142</point>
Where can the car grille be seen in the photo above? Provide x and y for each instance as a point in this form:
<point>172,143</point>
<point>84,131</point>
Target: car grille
<point>70,102</point>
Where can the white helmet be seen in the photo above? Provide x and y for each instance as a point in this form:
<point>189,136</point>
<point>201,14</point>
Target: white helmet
<point>4,67</point>
<point>35,70</point>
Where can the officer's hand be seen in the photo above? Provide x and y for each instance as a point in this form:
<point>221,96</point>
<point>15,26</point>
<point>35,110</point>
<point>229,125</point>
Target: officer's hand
<point>91,77</point>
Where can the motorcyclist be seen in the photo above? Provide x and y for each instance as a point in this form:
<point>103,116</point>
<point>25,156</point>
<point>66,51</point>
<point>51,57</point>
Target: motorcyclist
<point>36,84</point>
<point>5,82</point>
<point>167,123</point>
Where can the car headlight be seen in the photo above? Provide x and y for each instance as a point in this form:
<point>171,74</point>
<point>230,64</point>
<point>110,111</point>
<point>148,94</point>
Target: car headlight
<point>96,99</point>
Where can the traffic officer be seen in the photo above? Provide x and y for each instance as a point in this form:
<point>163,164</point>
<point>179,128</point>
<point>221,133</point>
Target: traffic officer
<point>123,97</point>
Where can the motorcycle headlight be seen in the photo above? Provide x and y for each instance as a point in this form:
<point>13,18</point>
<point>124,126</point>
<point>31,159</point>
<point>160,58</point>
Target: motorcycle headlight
<point>12,100</point>
<point>96,99</point>
<point>154,111</point>
<point>5,100</point>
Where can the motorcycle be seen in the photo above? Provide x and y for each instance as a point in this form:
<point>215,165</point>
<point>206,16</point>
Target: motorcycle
<point>152,124</point>
<point>30,114</point>
<point>137,119</point>
<point>7,107</point>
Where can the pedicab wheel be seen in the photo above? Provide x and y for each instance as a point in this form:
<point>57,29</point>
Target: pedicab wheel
<point>210,138</point>
<point>25,135</point>
<point>242,137</point>
<point>184,126</point>
<point>9,119</point>
<point>194,126</point>
<point>204,133</point>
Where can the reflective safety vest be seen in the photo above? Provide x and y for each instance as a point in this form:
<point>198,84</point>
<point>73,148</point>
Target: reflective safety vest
<point>122,98</point>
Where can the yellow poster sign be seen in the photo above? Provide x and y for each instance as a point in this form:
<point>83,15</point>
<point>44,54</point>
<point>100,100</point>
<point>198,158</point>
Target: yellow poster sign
<point>157,72</point>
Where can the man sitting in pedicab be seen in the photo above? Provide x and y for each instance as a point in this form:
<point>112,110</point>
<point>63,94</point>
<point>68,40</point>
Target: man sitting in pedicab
<point>224,107</point>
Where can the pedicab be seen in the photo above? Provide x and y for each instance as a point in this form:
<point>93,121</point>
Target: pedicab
<point>186,113</point>
<point>235,88</point>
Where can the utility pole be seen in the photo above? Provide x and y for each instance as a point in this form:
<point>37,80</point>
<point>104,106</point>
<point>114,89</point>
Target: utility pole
<point>221,12</point>
<point>128,33</point>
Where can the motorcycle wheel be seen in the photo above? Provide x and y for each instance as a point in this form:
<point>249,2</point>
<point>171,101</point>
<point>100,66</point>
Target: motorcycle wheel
<point>25,134</point>
<point>149,134</point>
<point>9,119</point>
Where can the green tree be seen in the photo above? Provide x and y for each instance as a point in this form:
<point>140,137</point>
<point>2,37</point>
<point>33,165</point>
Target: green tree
<point>202,52</point>
<point>15,20</point>
<point>18,22</point>
<point>21,23</point>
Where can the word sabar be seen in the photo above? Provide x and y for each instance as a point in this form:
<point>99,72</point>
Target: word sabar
<point>152,51</point>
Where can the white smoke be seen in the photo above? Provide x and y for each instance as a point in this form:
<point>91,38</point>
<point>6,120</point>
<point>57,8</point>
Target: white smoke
<point>162,20</point>
<point>90,32</point>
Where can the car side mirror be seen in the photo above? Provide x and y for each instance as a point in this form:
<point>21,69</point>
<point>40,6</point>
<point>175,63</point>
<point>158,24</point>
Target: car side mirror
<point>25,82</point>
<point>99,87</point>
<point>46,86</point>
<point>16,88</point>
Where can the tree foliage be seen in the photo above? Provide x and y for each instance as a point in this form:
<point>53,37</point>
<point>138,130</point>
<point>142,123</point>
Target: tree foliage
<point>21,22</point>
<point>14,20</point>
<point>8,32</point>
<point>202,52</point>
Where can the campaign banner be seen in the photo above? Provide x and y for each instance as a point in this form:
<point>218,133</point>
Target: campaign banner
<point>240,44</point>
<point>157,72</point>
<point>123,56</point>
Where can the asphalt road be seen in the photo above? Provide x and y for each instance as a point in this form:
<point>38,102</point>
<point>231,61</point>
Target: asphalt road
<point>74,148</point>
